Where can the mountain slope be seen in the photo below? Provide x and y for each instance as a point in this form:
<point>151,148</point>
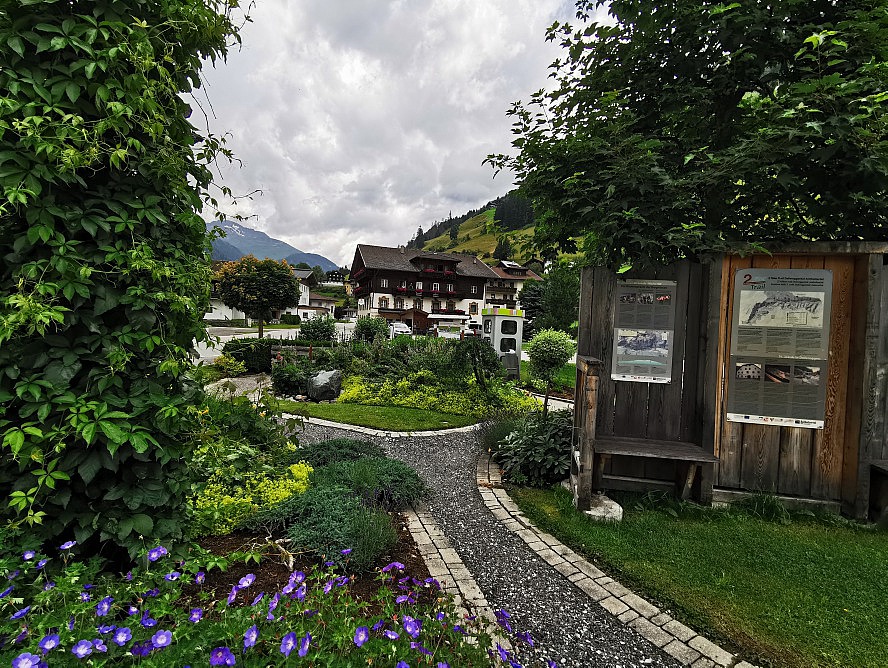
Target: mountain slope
<point>247,241</point>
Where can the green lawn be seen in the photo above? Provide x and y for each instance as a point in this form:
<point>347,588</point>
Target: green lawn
<point>390,418</point>
<point>802,594</point>
<point>566,379</point>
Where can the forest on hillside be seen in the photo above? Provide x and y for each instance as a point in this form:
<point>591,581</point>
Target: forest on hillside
<point>512,212</point>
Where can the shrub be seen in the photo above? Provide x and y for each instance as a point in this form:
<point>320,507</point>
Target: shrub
<point>370,328</point>
<point>318,328</point>
<point>254,353</point>
<point>228,366</point>
<point>337,450</point>
<point>537,453</point>
<point>548,351</point>
<point>377,481</point>
<point>290,319</point>
<point>493,430</point>
<point>290,379</point>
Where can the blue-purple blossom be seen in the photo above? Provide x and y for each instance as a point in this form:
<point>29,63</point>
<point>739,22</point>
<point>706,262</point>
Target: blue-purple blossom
<point>329,563</point>
<point>142,648</point>
<point>84,596</point>
<point>300,593</point>
<point>232,595</point>
<point>288,589</point>
<point>106,628</point>
<point>172,577</point>
<point>440,616</point>
<point>347,551</point>
<point>152,593</point>
<point>21,636</point>
<point>6,592</point>
<point>258,598</point>
<point>82,649</point>
<point>361,635</point>
<point>394,564</point>
<point>196,615</point>
<point>13,575</point>
<point>250,636</point>
<point>156,553</point>
<point>129,576</point>
<point>273,603</point>
<point>122,636</point>
<point>328,587</point>
<point>147,621</point>
<point>551,664</point>
<point>443,664</point>
<point>402,664</point>
<point>100,645</point>
<point>297,577</point>
<point>504,654</point>
<point>71,623</point>
<point>525,636</point>
<point>67,546</point>
<point>246,581</point>
<point>49,585</point>
<point>49,642</point>
<point>379,624</point>
<point>221,656</point>
<point>304,643</point>
<point>40,564</point>
<point>161,639</point>
<point>404,599</point>
<point>391,635</point>
<point>104,606</point>
<point>26,660</point>
<point>411,626</point>
<point>199,579</point>
<point>132,610</point>
<point>288,642</point>
<point>420,648</point>
<point>21,613</point>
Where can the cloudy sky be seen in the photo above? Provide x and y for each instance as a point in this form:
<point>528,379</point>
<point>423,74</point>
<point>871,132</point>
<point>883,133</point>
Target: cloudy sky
<point>365,119</point>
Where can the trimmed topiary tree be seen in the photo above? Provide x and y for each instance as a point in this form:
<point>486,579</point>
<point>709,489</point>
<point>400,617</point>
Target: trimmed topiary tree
<point>548,351</point>
<point>104,275</point>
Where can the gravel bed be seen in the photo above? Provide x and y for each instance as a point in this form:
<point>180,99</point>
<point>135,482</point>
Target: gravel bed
<point>566,625</point>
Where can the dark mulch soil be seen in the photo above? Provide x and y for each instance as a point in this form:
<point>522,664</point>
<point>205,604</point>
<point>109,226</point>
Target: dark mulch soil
<point>272,572</point>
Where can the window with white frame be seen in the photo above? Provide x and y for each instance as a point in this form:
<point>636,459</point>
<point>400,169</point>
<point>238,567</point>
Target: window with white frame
<point>399,302</point>
<point>419,285</point>
<point>449,287</point>
<point>417,304</point>
<point>383,282</point>
<point>383,302</point>
<point>474,289</point>
<point>436,287</point>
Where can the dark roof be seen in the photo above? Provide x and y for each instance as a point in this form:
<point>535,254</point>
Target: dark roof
<point>398,259</point>
<point>527,276</point>
<point>303,273</point>
<point>320,298</point>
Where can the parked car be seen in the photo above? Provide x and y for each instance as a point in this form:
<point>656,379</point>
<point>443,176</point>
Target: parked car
<point>472,329</point>
<point>397,329</point>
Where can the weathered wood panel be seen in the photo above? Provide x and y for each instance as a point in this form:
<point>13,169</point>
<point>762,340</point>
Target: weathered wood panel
<point>602,322</point>
<point>731,433</point>
<point>760,450</point>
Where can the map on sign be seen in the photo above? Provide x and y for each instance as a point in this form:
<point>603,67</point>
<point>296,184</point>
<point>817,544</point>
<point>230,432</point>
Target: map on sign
<point>781,309</point>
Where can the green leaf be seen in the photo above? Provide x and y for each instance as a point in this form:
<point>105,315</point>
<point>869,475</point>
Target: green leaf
<point>114,433</point>
<point>142,524</point>
<point>16,44</point>
<point>90,467</point>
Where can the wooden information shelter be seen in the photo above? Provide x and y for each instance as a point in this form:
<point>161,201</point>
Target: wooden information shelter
<point>676,436</point>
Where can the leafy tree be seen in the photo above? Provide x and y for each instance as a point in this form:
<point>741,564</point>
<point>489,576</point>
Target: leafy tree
<point>370,328</point>
<point>548,351</point>
<point>753,122</point>
<point>553,302</point>
<point>319,273</point>
<point>105,276</point>
<point>474,354</point>
<point>318,328</point>
<point>257,287</point>
<point>454,233</point>
<point>503,248</point>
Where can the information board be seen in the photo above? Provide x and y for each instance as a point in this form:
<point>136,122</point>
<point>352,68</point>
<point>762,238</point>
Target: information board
<point>644,331</point>
<point>780,347</point>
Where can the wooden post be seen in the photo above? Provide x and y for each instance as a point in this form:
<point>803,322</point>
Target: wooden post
<point>583,455</point>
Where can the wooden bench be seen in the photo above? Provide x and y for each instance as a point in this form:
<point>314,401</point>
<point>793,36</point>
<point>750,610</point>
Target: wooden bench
<point>688,458</point>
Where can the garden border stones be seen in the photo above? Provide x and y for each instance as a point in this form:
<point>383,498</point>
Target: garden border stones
<point>659,628</point>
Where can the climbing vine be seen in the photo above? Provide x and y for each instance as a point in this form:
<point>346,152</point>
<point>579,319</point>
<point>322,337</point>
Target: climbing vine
<point>103,270</point>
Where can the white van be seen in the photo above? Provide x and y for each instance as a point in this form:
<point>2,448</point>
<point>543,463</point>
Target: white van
<point>398,329</point>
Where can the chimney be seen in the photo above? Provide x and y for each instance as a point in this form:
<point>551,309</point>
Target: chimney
<point>401,248</point>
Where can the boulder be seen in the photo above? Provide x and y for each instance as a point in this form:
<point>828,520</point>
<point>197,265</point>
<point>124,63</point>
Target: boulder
<point>325,385</point>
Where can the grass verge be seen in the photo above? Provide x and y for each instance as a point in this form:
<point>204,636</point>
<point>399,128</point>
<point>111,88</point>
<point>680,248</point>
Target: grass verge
<point>796,593</point>
<point>391,418</point>
<point>566,378</point>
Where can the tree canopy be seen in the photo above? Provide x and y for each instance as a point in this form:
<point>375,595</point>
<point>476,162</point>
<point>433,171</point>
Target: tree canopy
<point>257,287</point>
<point>688,127</point>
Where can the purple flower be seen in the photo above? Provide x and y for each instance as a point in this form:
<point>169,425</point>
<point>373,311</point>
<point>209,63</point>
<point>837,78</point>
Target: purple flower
<point>100,645</point>
<point>361,635</point>
<point>129,576</point>
<point>141,648</point>
<point>221,656</point>
<point>49,585</point>
<point>328,587</point>
<point>246,581</point>
<point>21,613</point>
<point>504,655</point>
<point>147,621</point>
<point>440,616</point>
<point>83,648</point>
<point>196,615</point>
<point>420,648</point>
<point>288,642</point>
<point>104,606</point>
<point>84,596</point>
<point>526,637</point>
<point>411,626</point>
<point>300,593</point>
<point>199,579</point>
<point>156,553</point>
<point>329,563</point>
<point>13,575</point>
<point>152,593</point>
<point>443,664</point>
<point>5,592</point>
<point>394,564</point>
<point>288,589</point>
<point>49,642</point>
<point>551,664</point>
<point>232,595</point>
<point>106,628</point>
<point>304,643</point>
<point>391,635</point>
<point>71,623</point>
<point>402,664</point>
<point>273,603</point>
<point>132,610</point>
<point>172,577</point>
<point>26,660</point>
<point>21,636</point>
<point>297,577</point>
<point>258,598</point>
<point>404,599</point>
<point>122,636</point>
<point>40,564</point>
<point>161,639</point>
<point>347,552</point>
<point>378,625</point>
<point>250,636</point>
<point>67,546</point>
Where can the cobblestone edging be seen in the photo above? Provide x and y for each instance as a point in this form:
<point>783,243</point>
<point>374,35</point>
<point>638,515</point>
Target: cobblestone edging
<point>379,433</point>
<point>661,629</point>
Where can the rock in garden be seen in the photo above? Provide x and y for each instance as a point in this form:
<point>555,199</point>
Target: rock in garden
<point>325,385</point>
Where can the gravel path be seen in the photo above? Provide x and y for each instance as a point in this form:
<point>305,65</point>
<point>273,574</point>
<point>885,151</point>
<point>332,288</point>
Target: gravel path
<point>567,626</point>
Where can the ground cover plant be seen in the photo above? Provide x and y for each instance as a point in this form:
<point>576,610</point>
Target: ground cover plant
<point>536,450</point>
<point>792,589</point>
<point>389,418</point>
<point>564,382</point>
<point>59,610</point>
